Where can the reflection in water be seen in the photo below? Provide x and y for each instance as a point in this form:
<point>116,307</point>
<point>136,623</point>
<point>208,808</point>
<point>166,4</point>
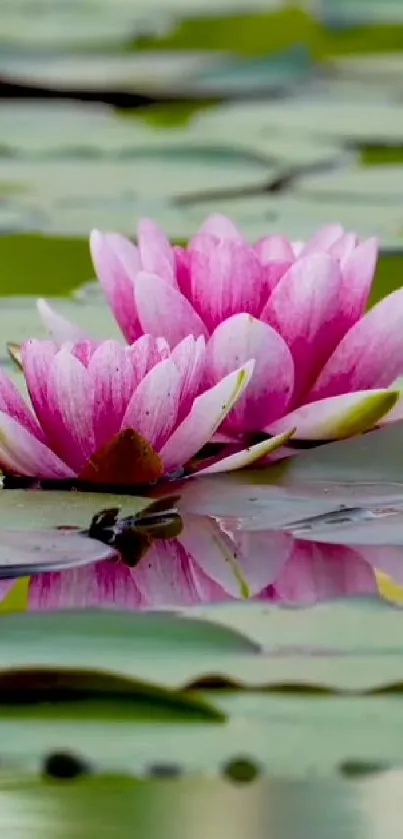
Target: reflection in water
<point>199,808</point>
<point>212,560</point>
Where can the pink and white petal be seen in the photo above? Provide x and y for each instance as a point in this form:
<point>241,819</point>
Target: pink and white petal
<point>163,310</point>
<point>84,350</point>
<point>323,572</point>
<point>337,417</point>
<point>272,273</point>
<point>114,378</point>
<point>23,454</point>
<point>219,226</point>
<point>116,263</point>
<point>206,415</point>
<point>370,355</point>
<point>5,588</point>
<point>103,585</point>
<point>189,358</point>
<point>323,239</point>
<point>387,559</point>
<point>297,248</point>
<point>233,342</point>
<point>358,273</point>
<point>60,328</point>
<point>247,457</point>
<point>13,404</point>
<point>274,248</point>
<point>156,252</point>
<point>182,261</point>
<point>145,353</point>
<point>343,247</point>
<point>37,358</point>
<point>68,420</point>
<point>153,407</point>
<point>164,576</point>
<point>240,563</point>
<point>226,278</point>
<point>303,309</point>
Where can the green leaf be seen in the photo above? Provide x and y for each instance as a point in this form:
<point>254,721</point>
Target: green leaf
<point>29,509</point>
<point>136,644</point>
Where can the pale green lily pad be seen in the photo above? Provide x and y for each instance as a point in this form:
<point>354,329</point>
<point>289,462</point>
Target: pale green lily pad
<point>21,509</point>
<point>202,73</point>
<point>140,72</point>
<point>383,184</point>
<point>375,68</point>
<point>347,120</point>
<point>299,216</point>
<point>79,194</point>
<point>362,11</point>
<point>249,126</point>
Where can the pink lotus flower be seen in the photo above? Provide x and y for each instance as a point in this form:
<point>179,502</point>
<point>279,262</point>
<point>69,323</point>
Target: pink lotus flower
<point>209,564</point>
<point>114,414</point>
<point>322,365</point>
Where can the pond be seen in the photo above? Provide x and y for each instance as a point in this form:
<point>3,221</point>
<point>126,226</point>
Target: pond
<point>222,649</point>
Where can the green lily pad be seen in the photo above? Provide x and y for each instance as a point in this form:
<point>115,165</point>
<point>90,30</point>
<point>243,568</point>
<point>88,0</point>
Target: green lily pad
<point>376,183</point>
<point>21,509</point>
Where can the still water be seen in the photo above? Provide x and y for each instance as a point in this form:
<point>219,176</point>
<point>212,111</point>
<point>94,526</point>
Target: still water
<point>360,809</point>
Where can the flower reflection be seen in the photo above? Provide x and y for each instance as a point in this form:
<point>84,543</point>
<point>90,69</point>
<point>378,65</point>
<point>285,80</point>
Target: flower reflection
<point>208,563</point>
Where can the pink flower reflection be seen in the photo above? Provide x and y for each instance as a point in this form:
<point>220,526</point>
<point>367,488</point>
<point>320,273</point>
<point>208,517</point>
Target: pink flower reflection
<point>209,563</point>
<point>317,571</point>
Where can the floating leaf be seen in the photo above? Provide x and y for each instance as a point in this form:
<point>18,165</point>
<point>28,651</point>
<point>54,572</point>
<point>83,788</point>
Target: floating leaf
<point>24,552</point>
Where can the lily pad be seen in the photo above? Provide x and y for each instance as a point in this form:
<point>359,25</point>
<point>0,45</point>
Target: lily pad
<point>376,183</point>
<point>21,509</point>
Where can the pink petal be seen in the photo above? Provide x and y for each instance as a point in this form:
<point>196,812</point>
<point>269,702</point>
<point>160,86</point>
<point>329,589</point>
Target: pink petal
<point>323,239</point>
<point>337,417</point>
<point>37,359</point>
<point>303,309</point>
<point>145,353</point>
<point>13,404</point>
<point>84,350</point>
<point>163,310</point>
<point>343,247</point>
<point>60,328</point>
<point>297,248</point>
<point>219,226</point>
<point>153,407</point>
<point>233,342</point>
<point>24,454</point>
<point>358,273</point>
<point>68,416</point>
<point>114,379</point>
<point>241,563</point>
<point>370,355</point>
<point>272,273</point>
<point>116,262</point>
<point>156,252</point>
<point>226,278</point>
<point>164,576</point>
<point>321,572</point>
<point>5,588</point>
<point>189,358</point>
<point>182,259</point>
<point>105,584</point>
<point>207,413</point>
<point>274,248</point>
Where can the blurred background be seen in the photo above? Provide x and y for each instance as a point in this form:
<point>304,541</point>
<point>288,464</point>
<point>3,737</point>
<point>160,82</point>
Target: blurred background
<point>284,115</point>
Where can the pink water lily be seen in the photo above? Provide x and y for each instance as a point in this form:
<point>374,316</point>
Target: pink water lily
<point>322,365</point>
<point>116,414</point>
<point>207,564</point>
